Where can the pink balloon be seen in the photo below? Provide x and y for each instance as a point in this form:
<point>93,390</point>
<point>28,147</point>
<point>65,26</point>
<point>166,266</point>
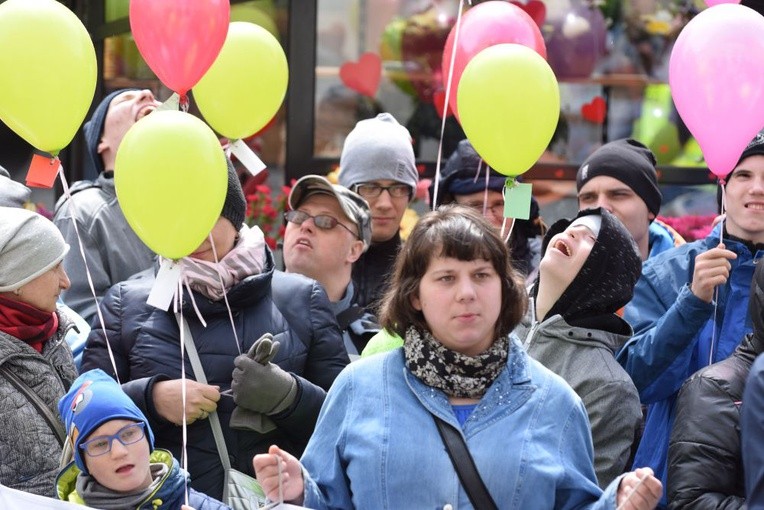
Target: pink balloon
<point>179,39</point>
<point>484,25</point>
<point>716,75</point>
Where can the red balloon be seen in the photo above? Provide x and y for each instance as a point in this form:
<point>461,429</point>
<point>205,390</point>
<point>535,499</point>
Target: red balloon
<point>179,39</point>
<point>484,25</point>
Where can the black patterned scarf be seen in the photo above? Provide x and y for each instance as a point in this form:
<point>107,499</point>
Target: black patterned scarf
<point>456,374</point>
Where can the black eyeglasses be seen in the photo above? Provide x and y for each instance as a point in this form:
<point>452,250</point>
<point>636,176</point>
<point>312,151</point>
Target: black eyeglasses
<point>322,221</point>
<point>372,190</point>
<point>101,445</point>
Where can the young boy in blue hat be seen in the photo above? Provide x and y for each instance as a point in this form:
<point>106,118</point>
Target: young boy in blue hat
<point>115,463</point>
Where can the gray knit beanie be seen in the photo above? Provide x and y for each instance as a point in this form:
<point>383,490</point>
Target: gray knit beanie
<point>378,149</point>
<point>30,245</point>
<point>235,206</point>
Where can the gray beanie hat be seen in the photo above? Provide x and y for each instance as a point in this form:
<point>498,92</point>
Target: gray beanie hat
<point>378,149</point>
<point>12,193</point>
<point>29,246</point>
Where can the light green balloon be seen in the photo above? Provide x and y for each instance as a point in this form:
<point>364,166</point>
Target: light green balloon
<point>509,105</point>
<point>245,86</point>
<point>171,178</point>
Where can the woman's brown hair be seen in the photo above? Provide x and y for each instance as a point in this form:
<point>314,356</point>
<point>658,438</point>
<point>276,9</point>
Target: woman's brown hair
<point>458,232</point>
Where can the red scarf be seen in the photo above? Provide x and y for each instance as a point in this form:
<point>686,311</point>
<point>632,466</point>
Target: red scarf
<point>27,323</point>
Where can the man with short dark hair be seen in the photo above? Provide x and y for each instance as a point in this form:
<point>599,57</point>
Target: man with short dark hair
<point>620,176</point>
<point>328,229</point>
<point>690,306</point>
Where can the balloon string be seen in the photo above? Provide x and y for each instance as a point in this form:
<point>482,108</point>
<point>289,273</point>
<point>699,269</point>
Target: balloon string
<point>225,297</point>
<point>184,430</point>
<point>183,103</point>
<point>449,81</point>
<point>75,217</point>
<point>716,290</point>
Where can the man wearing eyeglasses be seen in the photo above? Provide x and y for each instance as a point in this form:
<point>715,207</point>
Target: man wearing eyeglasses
<point>328,229</point>
<point>377,162</point>
<point>467,180</point>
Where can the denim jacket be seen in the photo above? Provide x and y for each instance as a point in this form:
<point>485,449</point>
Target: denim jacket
<point>376,444</point>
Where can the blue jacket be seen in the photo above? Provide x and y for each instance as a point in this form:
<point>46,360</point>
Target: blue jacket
<point>169,495</point>
<point>145,342</point>
<point>674,332</point>
<point>376,444</point>
<point>661,238</point>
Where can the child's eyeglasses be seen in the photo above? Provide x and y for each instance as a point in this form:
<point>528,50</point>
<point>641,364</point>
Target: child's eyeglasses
<point>101,445</point>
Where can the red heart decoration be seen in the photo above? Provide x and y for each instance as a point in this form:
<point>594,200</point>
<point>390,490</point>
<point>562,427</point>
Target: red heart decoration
<point>594,111</point>
<point>535,9</point>
<point>439,101</point>
<point>363,76</point>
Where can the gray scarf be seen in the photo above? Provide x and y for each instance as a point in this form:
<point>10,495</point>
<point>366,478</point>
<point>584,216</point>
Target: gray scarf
<point>97,496</point>
<point>454,373</point>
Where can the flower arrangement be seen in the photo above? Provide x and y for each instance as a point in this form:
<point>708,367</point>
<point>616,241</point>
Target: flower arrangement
<point>267,212</point>
<point>690,227</point>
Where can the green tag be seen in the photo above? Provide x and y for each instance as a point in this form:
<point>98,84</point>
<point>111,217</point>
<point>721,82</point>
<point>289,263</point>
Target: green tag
<point>517,199</point>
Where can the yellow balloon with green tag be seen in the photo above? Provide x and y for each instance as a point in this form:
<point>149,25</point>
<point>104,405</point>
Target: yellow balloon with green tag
<point>171,179</point>
<point>48,73</point>
<point>245,86</point>
<point>509,105</point>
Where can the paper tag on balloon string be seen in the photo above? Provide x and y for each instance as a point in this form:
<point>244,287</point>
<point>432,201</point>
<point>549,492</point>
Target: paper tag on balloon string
<point>247,156</point>
<point>165,285</point>
<point>517,199</point>
<point>172,103</point>
<point>43,171</point>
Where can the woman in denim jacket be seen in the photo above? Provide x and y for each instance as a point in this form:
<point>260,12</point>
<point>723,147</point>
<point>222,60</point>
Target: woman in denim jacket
<point>454,298</point>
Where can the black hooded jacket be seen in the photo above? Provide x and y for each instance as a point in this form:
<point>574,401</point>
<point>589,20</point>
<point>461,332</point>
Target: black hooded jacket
<point>705,463</point>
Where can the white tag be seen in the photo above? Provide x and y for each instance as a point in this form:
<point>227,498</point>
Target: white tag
<point>165,285</point>
<point>247,157</point>
<point>172,103</point>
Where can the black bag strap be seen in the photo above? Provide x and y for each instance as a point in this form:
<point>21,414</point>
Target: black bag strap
<point>465,466</point>
<point>345,317</point>
<point>53,421</point>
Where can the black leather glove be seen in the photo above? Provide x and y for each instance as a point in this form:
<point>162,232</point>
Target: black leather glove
<point>258,384</point>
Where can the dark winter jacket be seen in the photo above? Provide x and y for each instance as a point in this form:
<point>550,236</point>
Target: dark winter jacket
<point>145,342</point>
<point>372,270</point>
<point>705,464</point>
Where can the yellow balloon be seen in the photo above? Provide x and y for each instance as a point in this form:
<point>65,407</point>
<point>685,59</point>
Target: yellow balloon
<point>255,14</point>
<point>171,179</point>
<point>509,105</point>
<point>245,86</point>
<point>49,72</point>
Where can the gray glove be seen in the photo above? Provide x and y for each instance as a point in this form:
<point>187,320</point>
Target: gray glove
<point>262,351</point>
<point>258,384</point>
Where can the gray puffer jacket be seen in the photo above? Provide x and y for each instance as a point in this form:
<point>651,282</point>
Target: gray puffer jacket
<point>29,450</point>
<point>585,358</point>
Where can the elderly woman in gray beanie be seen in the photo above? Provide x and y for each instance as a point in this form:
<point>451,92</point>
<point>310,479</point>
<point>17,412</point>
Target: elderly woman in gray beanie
<point>36,365</point>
